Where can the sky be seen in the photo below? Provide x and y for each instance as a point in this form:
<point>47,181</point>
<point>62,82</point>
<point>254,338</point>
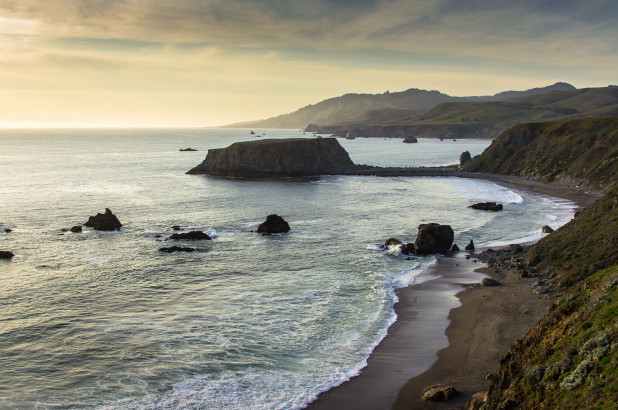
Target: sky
<point>193,63</point>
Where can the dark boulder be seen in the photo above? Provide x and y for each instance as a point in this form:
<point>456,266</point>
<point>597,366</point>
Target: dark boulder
<point>104,222</point>
<point>464,158</point>
<point>177,228</point>
<point>407,249</point>
<point>187,150</point>
<point>455,248</point>
<point>273,224</point>
<point>6,255</point>
<point>470,246</point>
<point>392,242</point>
<point>173,249</point>
<point>490,282</point>
<point>433,238</point>
<point>252,133</point>
<point>438,392</point>
<point>546,229</point>
<point>190,236</point>
<point>76,229</point>
<point>410,139</point>
<point>487,206</point>
<point>7,230</point>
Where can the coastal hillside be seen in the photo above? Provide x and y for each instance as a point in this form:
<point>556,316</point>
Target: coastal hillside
<point>581,152</point>
<point>366,109</point>
<point>487,119</point>
<point>570,358</point>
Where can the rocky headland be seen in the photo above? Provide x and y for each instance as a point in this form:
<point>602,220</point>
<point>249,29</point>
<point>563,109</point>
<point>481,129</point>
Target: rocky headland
<point>293,157</point>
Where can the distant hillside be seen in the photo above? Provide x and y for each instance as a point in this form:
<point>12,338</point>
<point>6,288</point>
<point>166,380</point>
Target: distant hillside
<point>365,109</point>
<point>489,119</point>
<point>583,152</point>
<point>570,359</point>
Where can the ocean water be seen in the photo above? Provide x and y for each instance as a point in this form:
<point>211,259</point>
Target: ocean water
<point>248,321</point>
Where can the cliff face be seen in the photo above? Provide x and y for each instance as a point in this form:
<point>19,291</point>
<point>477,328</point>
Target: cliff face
<point>570,359</point>
<point>582,152</point>
<point>276,157</point>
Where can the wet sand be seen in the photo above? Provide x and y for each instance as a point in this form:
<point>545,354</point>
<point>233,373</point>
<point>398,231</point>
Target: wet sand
<point>481,324</point>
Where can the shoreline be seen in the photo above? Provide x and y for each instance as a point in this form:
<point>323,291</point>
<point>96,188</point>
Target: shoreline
<point>481,324</point>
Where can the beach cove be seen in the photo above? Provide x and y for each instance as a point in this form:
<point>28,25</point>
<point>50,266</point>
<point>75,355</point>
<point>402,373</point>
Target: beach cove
<point>123,325</point>
<point>482,324</point>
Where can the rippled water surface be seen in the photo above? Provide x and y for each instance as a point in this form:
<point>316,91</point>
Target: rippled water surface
<point>247,321</point>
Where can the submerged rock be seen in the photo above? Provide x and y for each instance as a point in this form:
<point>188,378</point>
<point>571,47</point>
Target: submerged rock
<point>276,157</point>
<point>392,242</point>
<point>104,222</point>
<point>487,206</point>
<point>273,224</point>
<point>6,255</point>
<point>410,139</point>
<point>76,229</point>
<point>470,246</point>
<point>191,236</point>
<point>407,249</point>
<point>438,392</point>
<point>433,238</point>
<point>187,150</point>
<point>173,249</point>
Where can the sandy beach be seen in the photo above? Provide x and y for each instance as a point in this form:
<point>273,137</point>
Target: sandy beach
<point>481,324</point>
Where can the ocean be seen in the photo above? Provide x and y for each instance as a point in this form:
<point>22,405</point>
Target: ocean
<point>106,320</point>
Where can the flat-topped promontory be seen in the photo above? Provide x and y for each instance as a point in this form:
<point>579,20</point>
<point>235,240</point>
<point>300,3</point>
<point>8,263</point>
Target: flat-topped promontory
<point>289,157</point>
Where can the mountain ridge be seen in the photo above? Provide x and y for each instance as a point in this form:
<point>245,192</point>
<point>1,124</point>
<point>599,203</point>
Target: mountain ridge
<point>348,107</point>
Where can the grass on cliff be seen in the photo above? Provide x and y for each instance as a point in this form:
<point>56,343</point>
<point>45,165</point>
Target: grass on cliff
<point>570,358</point>
<point>580,151</point>
<point>585,245</point>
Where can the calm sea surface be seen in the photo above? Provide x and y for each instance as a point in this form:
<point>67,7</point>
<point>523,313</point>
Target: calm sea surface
<point>248,321</point>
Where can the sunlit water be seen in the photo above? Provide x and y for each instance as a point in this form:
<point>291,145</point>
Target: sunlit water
<point>248,321</point>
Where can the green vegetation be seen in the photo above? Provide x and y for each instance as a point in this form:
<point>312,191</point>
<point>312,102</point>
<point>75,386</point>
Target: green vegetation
<point>582,152</point>
<point>570,359</point>
<point>573,104</point>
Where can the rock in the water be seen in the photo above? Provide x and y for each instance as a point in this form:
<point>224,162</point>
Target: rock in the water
<point>546,229</point>
<point>104,222</point>
<point>273,224</point>
<point>470,246</point>
<point>76,229</point>
<point>487,206</point>
<point>187,150</point>
<point>464,158</point>
<point>6,255</point>
<point>455,248</point>
<point>276,157</point>
<point>438,392</point>
<point>407,249</point>
<point>252,133</point>
<point>410,139</point>
<point>177,228</point>
<point>490,282</point>
<point>7,230</point>
<point>191,236</point>
<point>392,242</point>
<point>433,238</point>
<point>172,249</point>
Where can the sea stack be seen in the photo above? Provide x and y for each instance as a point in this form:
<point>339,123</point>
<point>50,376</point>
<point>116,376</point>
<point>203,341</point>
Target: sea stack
<point>291,157</point>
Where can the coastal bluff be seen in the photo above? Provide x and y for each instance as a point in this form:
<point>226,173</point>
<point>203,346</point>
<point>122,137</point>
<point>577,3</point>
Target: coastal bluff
<point>290,157</point>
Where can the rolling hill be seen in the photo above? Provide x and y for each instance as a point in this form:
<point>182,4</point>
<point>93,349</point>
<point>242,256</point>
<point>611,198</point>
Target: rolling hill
<point>365,109</point>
